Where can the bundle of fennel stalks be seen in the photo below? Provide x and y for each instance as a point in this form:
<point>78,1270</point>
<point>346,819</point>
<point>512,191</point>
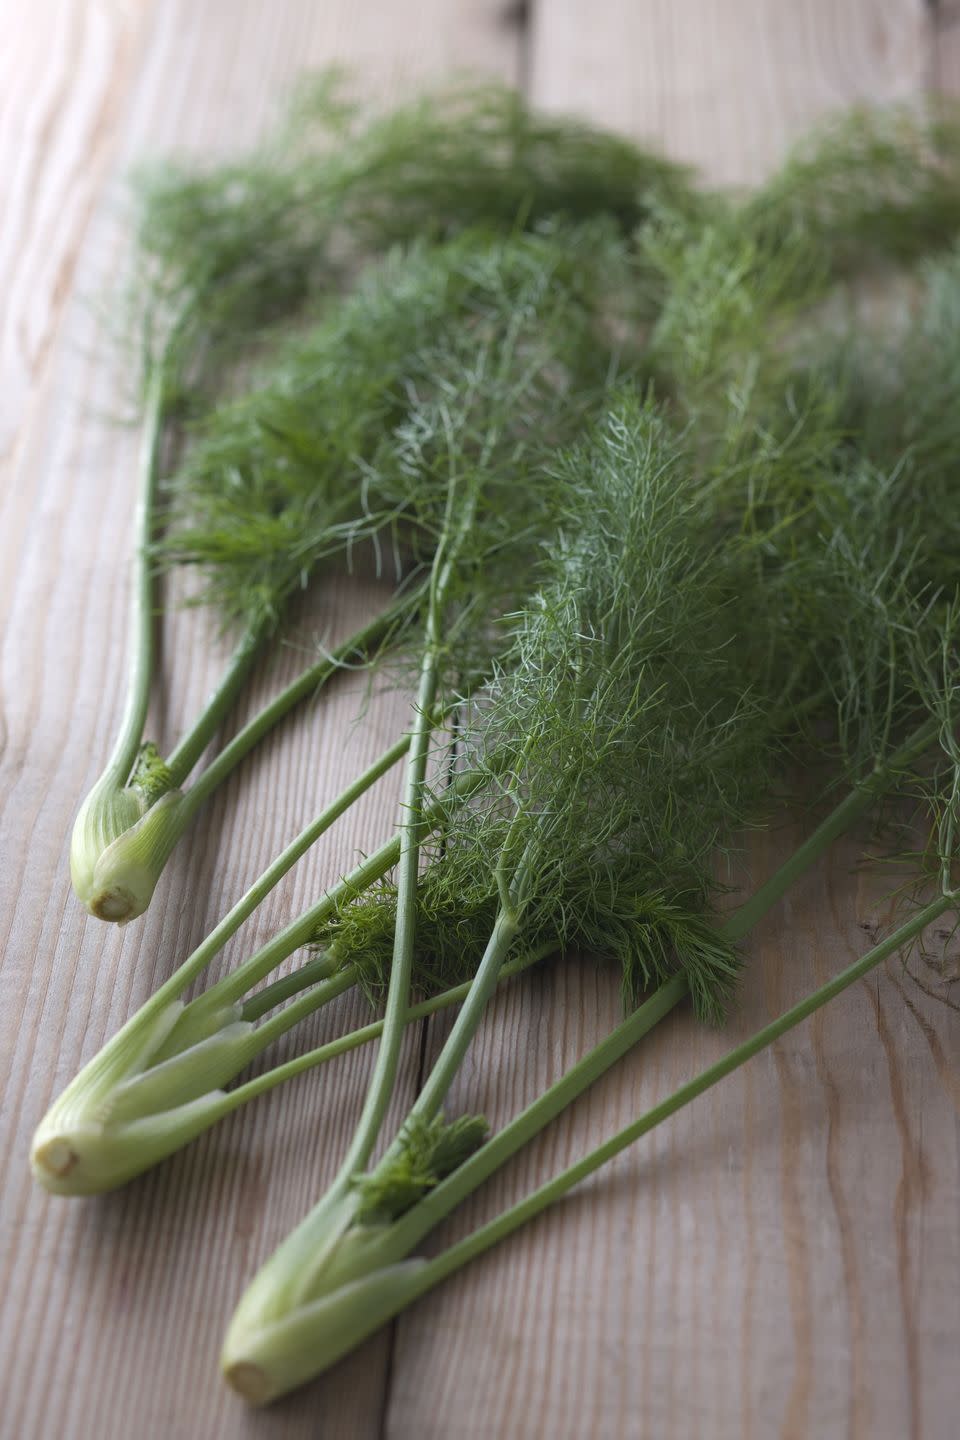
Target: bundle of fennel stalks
<point>665,511</point>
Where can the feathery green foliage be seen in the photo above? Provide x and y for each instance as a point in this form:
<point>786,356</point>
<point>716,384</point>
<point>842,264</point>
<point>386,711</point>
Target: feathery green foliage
<point>230,260</point>
<point>480,154</point>
<point>880,183</point>
<point>898,378</point>
<point>232,255</point>
<point>241,244</point>
<point>473,358</point>
<point>626,749</point>
<point>347,436</point>
<point>427,1151</point>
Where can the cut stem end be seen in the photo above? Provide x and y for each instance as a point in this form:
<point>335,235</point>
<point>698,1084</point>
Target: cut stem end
<point>116,903</point>
<point>52,1160</point>
<point>249,1381</point>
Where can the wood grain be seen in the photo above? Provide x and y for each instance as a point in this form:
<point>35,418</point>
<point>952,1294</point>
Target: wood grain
<point>726,87</point>
<point>781,1259</point>
<point>946,50</point>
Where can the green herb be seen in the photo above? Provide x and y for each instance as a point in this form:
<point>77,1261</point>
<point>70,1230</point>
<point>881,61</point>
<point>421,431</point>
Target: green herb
<point>227,254</point>
<point>465,465</point>
<point>228,260</point>
<point>878,184</point>
<point>745,553</point>
<point>632,754</point>
<point>769,506</point>
<point>343,443</point>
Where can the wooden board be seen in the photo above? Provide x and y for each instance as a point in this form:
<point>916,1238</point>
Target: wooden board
<point>779,1260</point>
<point>726,87</point>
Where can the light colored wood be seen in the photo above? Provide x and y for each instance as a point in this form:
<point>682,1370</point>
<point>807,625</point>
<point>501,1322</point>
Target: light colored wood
<point>66,76</point>
<point>946,56</point>
<point>779,1260</point>
<point>113,1312</point>
<point>725,86</point>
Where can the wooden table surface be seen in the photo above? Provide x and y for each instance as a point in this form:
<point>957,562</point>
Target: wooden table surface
<point>779,1260</point>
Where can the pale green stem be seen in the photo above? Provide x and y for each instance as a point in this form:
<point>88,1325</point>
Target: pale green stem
<point>495,1230</point>
<point>438,1203</point>
<point>310,1059</point>
<point>320,968</point>
<point>840,819</point>
<point>307,1004</point>
<point>143,609</point>
<point>261,887</point>
<point>326,1221</point>
<point>286,1329</point>
<point>412,834</point>
<point>505,929</point>
<point>235,985</point>
<point>191,746</point>
<point>359,646</point>
<point>142,602</point>
<point>183,758</point>
<point>109,809</point>
<point>448,1062</point>
<point>380,1088</point>
<point>116,868</point>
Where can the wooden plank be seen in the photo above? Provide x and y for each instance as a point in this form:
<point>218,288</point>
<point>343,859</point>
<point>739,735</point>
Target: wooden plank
<point>946,42</point>
<point>780,1259</point>
<point>66,76</point>
<point>806,1210</point>
<point>725,86</point>
<point>114,1309</point>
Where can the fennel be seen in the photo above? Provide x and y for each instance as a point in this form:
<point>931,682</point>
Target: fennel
<point>298,1316</point>
<point>264,1360</point>
<point>477,478</point>
<point>229,256</point>
<point>309,464</point>
<point>633,754</point>
<point>788,590</point>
